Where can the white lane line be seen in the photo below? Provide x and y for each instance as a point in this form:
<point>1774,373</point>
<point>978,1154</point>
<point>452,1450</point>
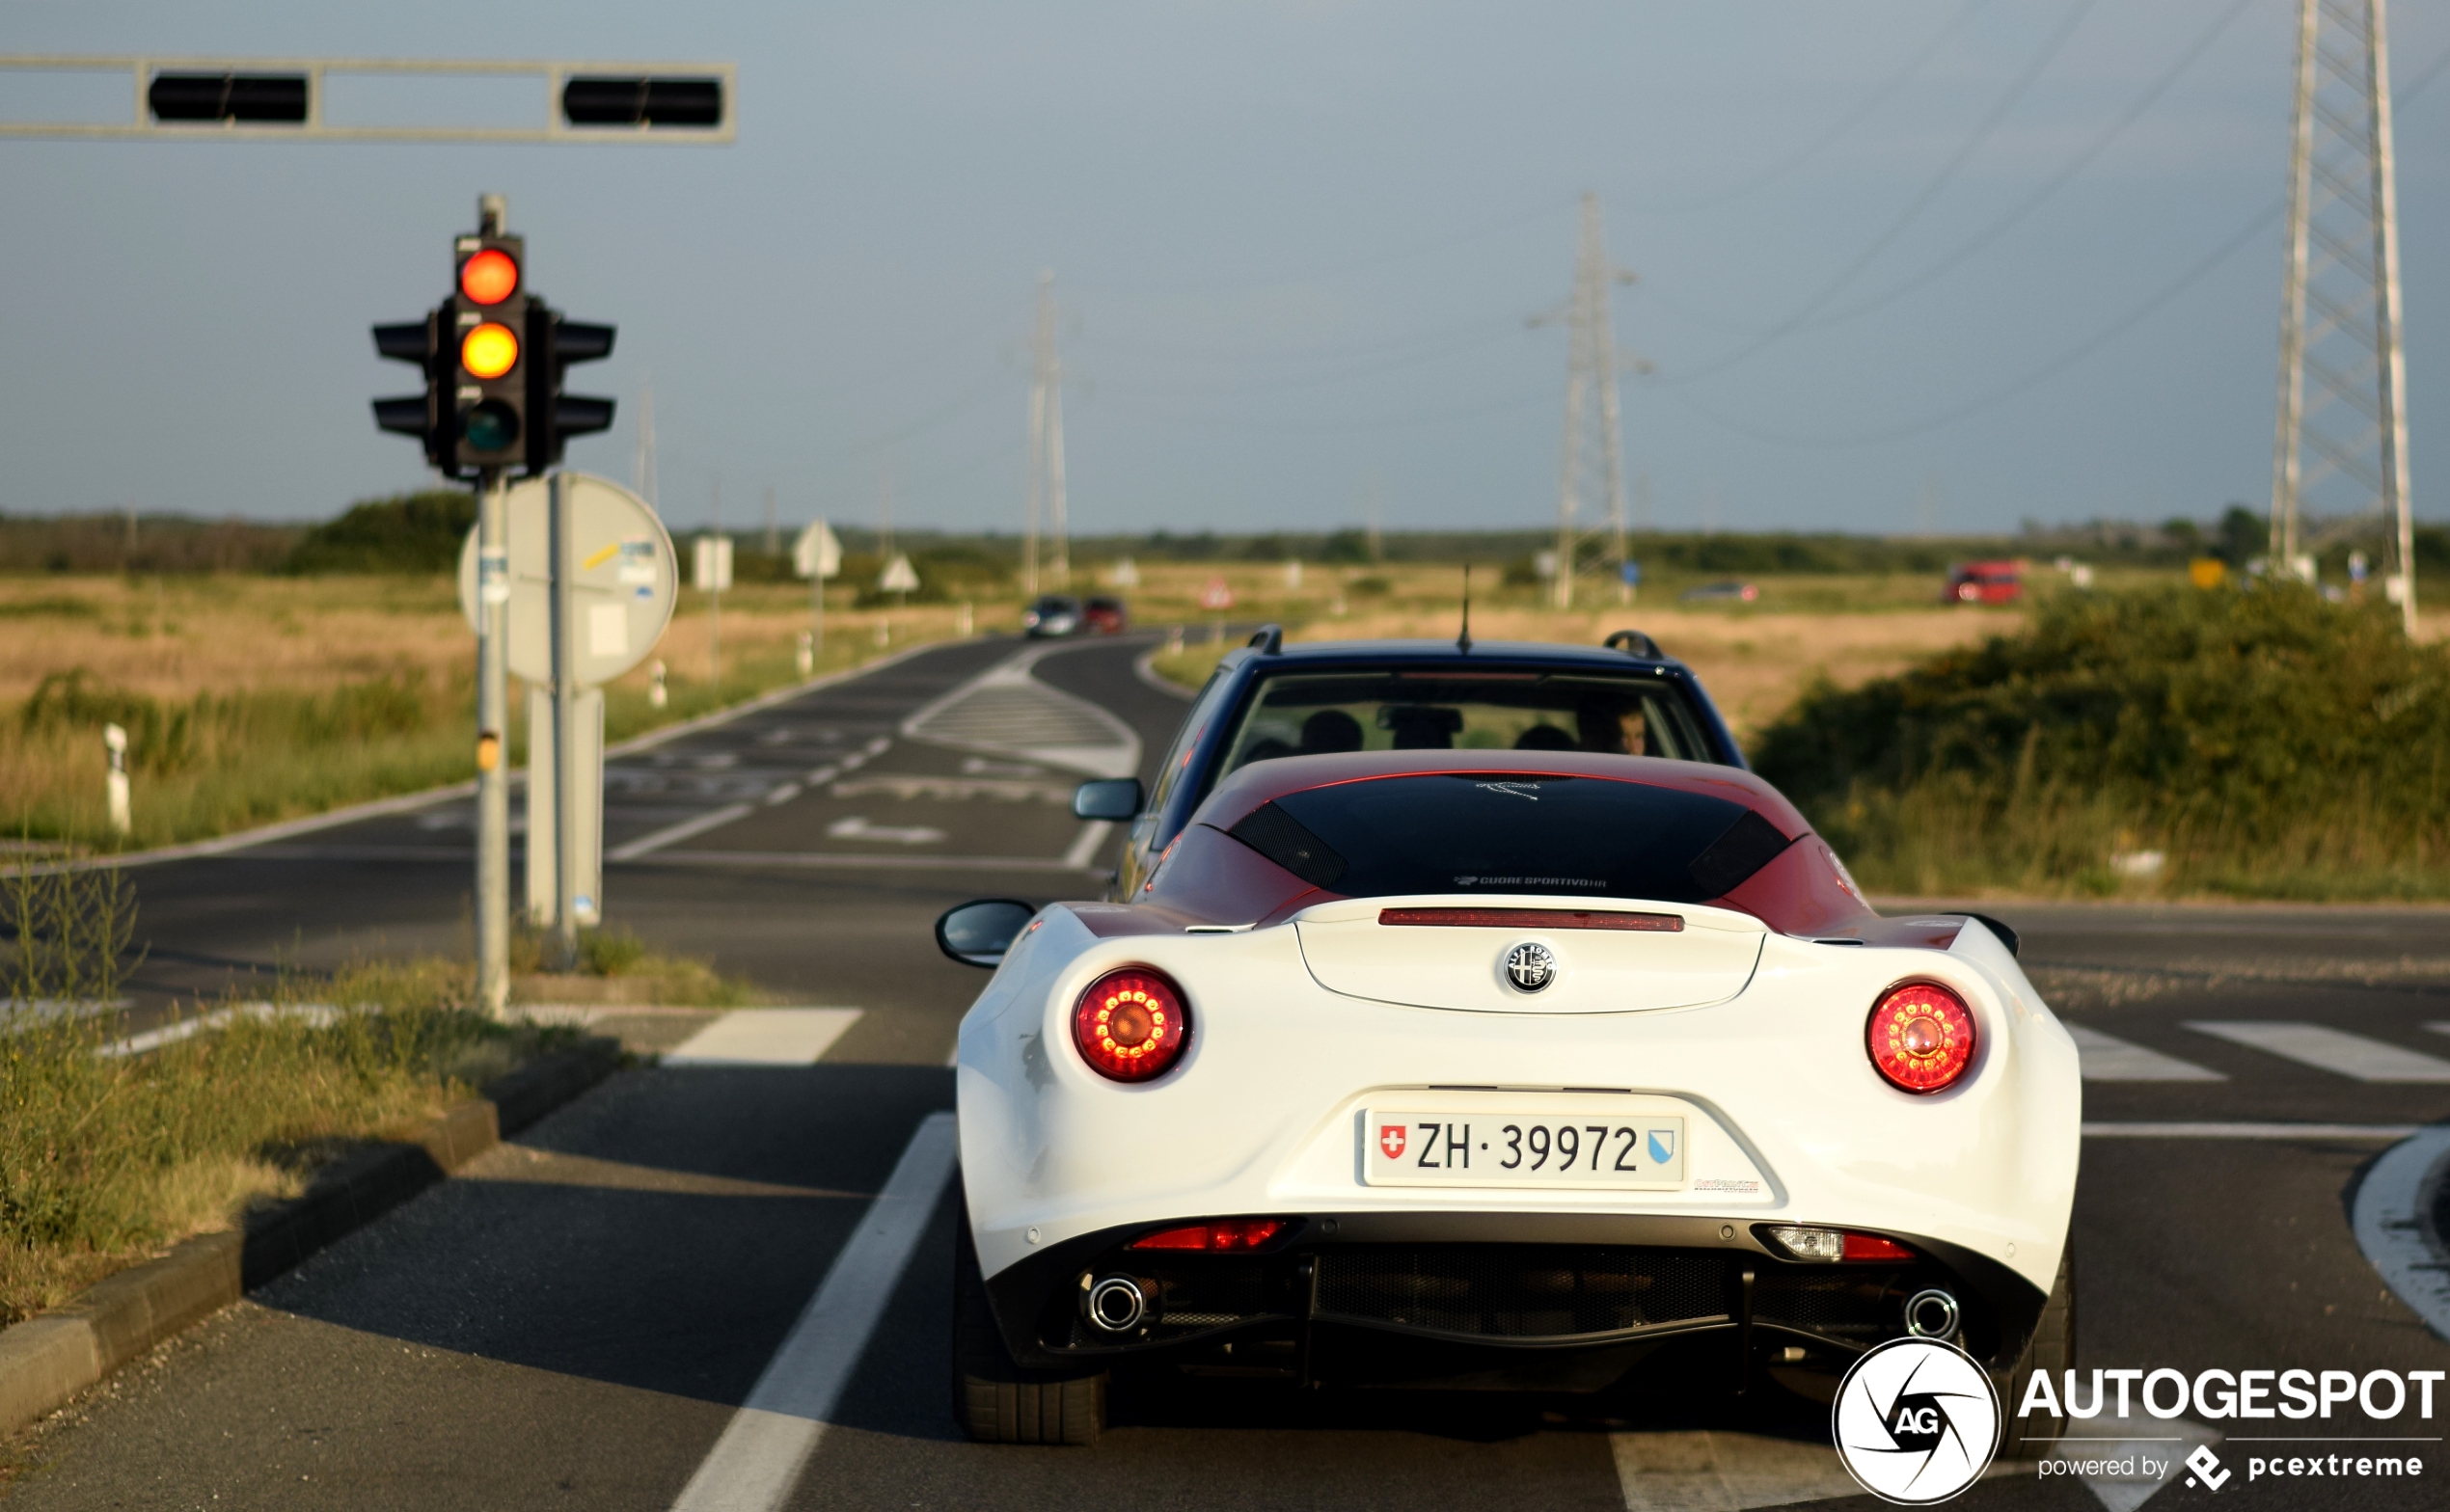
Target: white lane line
<point>765,1037</point>
<point>1706,1472</point>
<point>2107,1058</point>
<point>713,820</point>
<point>2249,1130</point>
<point>2391,1229</point>
<point>754,1465</point>
<point>783,794</point>
<point>821,775</point>
<point>2329,1049</point>
<point>1093,834</point>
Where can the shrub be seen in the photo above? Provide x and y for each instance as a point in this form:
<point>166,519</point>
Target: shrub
<point>2265,741</point>
<point>419,532</point>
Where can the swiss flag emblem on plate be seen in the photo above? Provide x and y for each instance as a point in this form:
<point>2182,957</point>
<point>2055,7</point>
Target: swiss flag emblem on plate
<point>1390,1140</point>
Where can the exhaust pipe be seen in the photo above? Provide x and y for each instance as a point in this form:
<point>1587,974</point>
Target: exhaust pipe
<point>1932,1313</point>
<point>1117,1304</point>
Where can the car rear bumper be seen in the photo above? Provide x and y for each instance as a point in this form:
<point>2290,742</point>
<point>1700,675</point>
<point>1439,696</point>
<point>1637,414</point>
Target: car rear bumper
<point>1492,1301</point>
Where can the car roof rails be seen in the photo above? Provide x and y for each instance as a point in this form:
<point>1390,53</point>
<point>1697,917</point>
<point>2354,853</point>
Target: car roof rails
<point>1269,640</point>
<point>1634,643</point>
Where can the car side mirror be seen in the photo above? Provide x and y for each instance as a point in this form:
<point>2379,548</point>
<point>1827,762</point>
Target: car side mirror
<point>1107,797</point>
<point>979,933</point>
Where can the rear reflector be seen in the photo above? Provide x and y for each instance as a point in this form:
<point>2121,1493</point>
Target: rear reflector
<point>1872,1247</point>
<point>1239,1236</point>
<point>1536,919</point>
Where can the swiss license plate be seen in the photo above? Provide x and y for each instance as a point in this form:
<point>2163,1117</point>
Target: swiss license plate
<point>1552,1149</point>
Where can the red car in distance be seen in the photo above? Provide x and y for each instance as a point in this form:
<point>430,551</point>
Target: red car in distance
<point>1985,583</point>
<point>1104,617</point>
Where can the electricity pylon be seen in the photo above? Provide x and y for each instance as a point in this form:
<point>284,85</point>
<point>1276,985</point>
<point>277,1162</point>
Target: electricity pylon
<point>1594,443</point>
<point>1046,449</point>
<point>2343,399</point>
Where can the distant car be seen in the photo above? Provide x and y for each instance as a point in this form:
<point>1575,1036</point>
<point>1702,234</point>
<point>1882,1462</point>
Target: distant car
<point>1051,615</point>
<point>1732,592</point>
<point>1985,583</point>
<point>1105,617</point>
<point>1270,700</point>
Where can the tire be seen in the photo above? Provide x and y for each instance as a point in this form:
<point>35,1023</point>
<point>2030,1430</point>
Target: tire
<point>2052,1351</point>
<point>996,1401</point>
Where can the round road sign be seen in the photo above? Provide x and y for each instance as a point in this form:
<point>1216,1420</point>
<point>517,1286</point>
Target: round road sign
<point>624,577</point>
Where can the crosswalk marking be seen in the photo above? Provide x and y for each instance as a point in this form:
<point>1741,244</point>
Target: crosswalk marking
<point>765,1037</point>
<point>2107,1058</point>
<point>2333,1050</point>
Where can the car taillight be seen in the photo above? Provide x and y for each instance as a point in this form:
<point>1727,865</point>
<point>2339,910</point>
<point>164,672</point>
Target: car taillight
<point>1831,1246</point>
<point>1920,1037</point>
<point>1228,1235</point>
<point>1131,1025</point>
<point>1872,1247</point>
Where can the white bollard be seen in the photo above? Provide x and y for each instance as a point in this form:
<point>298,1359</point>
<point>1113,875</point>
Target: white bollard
<point>656,697</point>
<point>1174,642</point>
<point>115,780</point>
<point>965,620</point>
<point>807,654</point>
<point>884,634</point>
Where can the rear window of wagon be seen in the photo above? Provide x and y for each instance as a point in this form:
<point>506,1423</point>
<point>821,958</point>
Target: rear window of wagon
<point>1489,832</point>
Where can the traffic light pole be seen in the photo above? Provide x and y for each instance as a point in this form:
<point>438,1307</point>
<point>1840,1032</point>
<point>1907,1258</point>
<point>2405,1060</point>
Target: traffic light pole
<point>493,722</point>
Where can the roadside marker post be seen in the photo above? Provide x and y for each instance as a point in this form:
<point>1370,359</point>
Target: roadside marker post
<point>115,776</point>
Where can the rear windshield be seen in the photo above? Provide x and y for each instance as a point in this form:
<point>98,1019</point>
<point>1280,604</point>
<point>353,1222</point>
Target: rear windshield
<point>1484,832</point>
<point>1310,713</point>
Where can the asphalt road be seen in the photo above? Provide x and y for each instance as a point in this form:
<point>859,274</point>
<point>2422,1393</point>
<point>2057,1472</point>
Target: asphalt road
<point>577,1320</point>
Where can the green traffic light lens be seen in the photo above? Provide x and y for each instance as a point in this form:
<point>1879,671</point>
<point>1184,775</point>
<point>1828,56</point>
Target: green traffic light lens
<point>491,426</point>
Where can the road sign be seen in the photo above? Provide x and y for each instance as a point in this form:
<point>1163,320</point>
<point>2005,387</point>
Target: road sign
<point>624,584</point>
<point>710,563</point>
<point>898,576</point>
<point>1217,595</point>
<point>816,555</point>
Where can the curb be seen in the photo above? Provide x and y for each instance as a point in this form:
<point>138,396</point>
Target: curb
<point>48,1358</point>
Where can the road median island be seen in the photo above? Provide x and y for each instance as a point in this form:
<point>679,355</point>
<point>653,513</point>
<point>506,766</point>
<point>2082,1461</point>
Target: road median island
<point>46,1359</point>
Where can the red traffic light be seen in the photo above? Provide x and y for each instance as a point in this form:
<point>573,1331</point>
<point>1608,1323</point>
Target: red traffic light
<point>490,277</point>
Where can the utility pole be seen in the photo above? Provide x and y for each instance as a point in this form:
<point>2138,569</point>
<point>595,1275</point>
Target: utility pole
<point>2342,414</point>
<point>1046,449</point>
<point>1591,384</point>
<point>774,531</point>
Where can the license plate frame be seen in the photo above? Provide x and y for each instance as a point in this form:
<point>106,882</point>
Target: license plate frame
<point>1404,1146</point>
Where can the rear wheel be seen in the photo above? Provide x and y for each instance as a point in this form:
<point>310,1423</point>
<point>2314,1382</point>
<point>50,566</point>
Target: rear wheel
<point>996,1401</point>
<point>2052,1352</point>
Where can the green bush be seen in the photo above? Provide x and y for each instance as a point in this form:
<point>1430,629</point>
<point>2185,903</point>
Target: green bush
<point>419,532</point>
<point>2265,742</point>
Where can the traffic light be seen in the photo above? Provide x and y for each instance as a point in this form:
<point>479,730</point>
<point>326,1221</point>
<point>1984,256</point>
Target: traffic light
<point>490,366</point>
<point>493,355</point>
<point>553,416</point>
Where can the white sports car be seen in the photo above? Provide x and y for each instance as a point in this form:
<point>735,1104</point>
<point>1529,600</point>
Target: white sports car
<point>1522,1069</point>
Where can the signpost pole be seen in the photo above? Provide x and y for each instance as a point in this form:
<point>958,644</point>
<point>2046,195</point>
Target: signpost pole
<point>565,725</point>
<point>493,775</point>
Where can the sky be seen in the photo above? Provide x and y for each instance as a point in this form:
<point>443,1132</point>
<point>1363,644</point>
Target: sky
<point>1898,264</point>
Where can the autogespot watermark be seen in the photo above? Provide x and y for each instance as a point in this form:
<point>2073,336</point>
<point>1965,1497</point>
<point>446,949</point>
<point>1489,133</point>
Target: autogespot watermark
<point>2131,1451</point>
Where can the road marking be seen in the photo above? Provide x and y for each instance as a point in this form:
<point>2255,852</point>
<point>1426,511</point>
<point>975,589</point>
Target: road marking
<point>1007,712</point>
<point>765,1037</point>
<point>2107,1058</point>
<point>855,827</point>
<point>2249,1130</point>
<point>2329,1049</point>
<point>713,820</point>
<point>783,794</point>
<point>1708,1471</point>
<point>2390,1227</point>
<point>754,1465</point>
<point>826,859</point>
<point>1093,834</point>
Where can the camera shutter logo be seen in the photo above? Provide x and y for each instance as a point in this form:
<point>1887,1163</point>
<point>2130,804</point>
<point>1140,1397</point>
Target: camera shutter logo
<point>1915,1422</point>
<point>1530,965</point>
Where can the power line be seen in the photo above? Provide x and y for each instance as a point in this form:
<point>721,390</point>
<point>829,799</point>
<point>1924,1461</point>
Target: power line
<point>2124,323</point>
<point>1879,96</point>
<point>1973,143</point>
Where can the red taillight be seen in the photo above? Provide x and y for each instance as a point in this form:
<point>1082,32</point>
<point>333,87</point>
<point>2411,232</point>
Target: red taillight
<point>1920,1037</point>
<point>1241,1235</point>
<point>1131,1025</point>
<point>1872,1247</point>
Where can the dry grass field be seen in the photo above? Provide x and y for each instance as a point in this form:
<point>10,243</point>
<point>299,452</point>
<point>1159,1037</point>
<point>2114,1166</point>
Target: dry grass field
<point>250,699</point>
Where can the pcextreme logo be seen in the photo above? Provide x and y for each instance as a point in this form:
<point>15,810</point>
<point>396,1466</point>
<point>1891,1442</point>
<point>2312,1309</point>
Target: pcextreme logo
<point>1915,1422</point>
